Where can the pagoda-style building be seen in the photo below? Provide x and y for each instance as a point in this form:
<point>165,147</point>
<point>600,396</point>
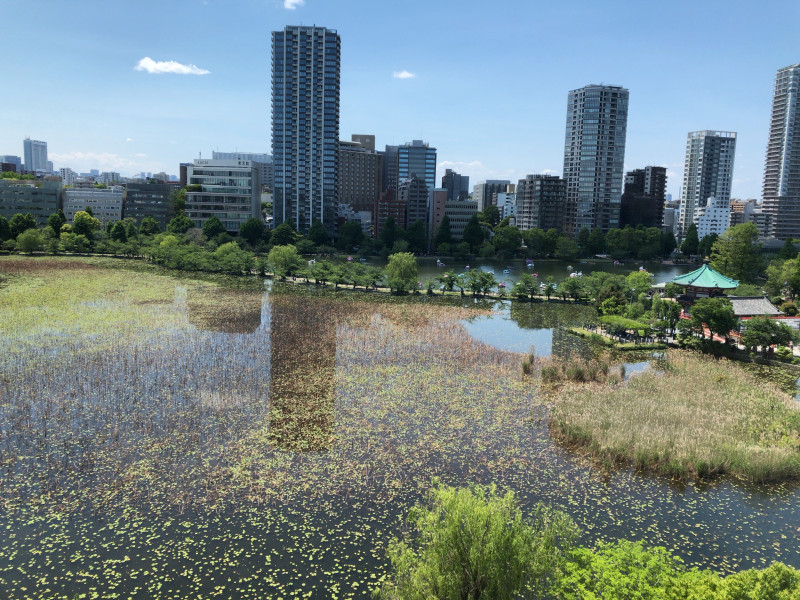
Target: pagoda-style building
<point>704,282</point>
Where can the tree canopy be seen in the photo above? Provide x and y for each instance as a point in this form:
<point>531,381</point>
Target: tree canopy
<point>402,272</point>
<point>21,222</point>
<point>737,254</point>
<point>690,241</point>
<point>85,224</point>
<point>475,544</point>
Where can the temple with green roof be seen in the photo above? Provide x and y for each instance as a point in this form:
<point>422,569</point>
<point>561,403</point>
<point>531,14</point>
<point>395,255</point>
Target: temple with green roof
<point>704,282</point>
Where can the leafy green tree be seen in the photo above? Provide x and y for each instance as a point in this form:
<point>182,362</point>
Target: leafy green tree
<point>583,241</point>
<point>507,240</point>
<point>690,241</point>
<point>573,287</point>
<point>443,234</point>
<point>180,223</point>
<point>21,222</point>
<point>737,254</point>
<point>480,282</point>
<point>118,233</point>
<point>179,203</point>
<point>714,313</point>
<point>390,232</point>
<point>317,234</point>
<point>616,244</point>
<point>74,243</point>
<point>212,227</point>
<point>705,245</point>
<point>284,235</point>
<point>788,250</point>
<point>416,236</point>
<point>620,570</point>
<point>597,242</point>
<point>525,287</point>
<point>5,229</point>
<point>490,215</point>
<point>29,241</point>
<point>284,260</point>
<point>764,332</point>
<point>638,282</point>
<point>253,231</point>
<point>149,226</point>
<point>668,243</point>
<point>85,224</point>
<point>473,233</point>
<point>566,248</point>
<point>350,235</point>
<point>474,544</point>
<point>230,258</point>
<point>402,272</point>
<point>447,279</point>
<point>56,220</point>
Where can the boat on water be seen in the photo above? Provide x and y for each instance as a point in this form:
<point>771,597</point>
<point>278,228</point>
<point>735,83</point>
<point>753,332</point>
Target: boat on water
<point>501,285</point>
<point>362,259</point>
<point>439,263</point>
<point>569,267</point>
<point>349,259</point>
<point>506,271</point>
<point>312,262</point>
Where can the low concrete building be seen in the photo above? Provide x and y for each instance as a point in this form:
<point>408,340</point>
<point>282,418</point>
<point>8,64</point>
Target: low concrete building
<point>227,189</point>
<point>106,204</point>
<point>39,198</point>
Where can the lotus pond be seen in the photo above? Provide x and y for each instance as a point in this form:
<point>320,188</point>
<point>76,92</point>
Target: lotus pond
<point>178,438</point>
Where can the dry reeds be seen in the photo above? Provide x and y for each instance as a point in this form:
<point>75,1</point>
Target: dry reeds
<point>701,417</point>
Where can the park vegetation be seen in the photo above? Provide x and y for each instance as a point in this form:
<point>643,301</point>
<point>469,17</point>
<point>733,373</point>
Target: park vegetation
<point>696,416</point>
<point>475,544</point>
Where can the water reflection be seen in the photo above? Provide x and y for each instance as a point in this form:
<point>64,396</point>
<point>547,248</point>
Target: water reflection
<point>303,364</point>
<point>226,310</point>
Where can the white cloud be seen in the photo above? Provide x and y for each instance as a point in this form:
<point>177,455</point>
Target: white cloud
<point>403,74</point>
<point>159,67</point>
<point>292,4</point>
<point>128,140</point>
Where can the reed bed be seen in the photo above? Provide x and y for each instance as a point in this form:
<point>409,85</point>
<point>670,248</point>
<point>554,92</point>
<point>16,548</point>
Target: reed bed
<point>701,417</point>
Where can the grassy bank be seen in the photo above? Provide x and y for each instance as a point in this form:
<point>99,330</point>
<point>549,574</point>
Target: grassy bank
<point>593,336</point>
<point>702,417</point>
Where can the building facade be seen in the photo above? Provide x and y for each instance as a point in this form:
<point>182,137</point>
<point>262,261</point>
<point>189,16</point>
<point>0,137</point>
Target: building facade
<point>714,217</point>
<point>264,161</point>
<point>40,198</point>
<point>457,186</point>
<point>707,172</point>
<point>227,189</point>
<point>459,212</point>
<point>594,154</point>
<point>484,191</point>
<point>417,157</point>
<point>541,202</point>
<point>643,198</point>
<point>360,175</point>
<point>781,192</point>
<point>413,193</point>
<point>306,64</point>
<point>149,200</point>
<point>35,154</point>
<point>106,204</point>
<point>388,205</point>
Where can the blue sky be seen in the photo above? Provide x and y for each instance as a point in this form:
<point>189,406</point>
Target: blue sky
<point>489,85</point>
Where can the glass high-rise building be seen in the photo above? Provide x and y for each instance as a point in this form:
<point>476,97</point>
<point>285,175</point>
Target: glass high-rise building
<point>594,154</point>
<point>306,63</point>
<point>35,153</point>
<point>781,193</point>
<point>707,173</point>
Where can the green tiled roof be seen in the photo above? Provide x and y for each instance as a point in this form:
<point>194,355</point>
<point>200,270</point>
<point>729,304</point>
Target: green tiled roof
<point>706,277</point>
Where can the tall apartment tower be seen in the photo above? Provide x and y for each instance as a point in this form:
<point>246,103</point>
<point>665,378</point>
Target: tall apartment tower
<point>35,154</point>
<point>707,172</point>
<point>781,193</point>
<point>594,154</point>
<point>306,64</point>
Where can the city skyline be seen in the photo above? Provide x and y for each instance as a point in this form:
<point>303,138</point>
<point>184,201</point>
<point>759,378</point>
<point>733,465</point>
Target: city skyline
<point>114,98</point>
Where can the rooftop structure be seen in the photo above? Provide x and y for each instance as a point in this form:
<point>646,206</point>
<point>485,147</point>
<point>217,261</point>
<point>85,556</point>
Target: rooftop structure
<point>705,282</point>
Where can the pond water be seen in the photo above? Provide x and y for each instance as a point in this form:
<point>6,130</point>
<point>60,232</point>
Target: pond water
<point>237,444</point>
